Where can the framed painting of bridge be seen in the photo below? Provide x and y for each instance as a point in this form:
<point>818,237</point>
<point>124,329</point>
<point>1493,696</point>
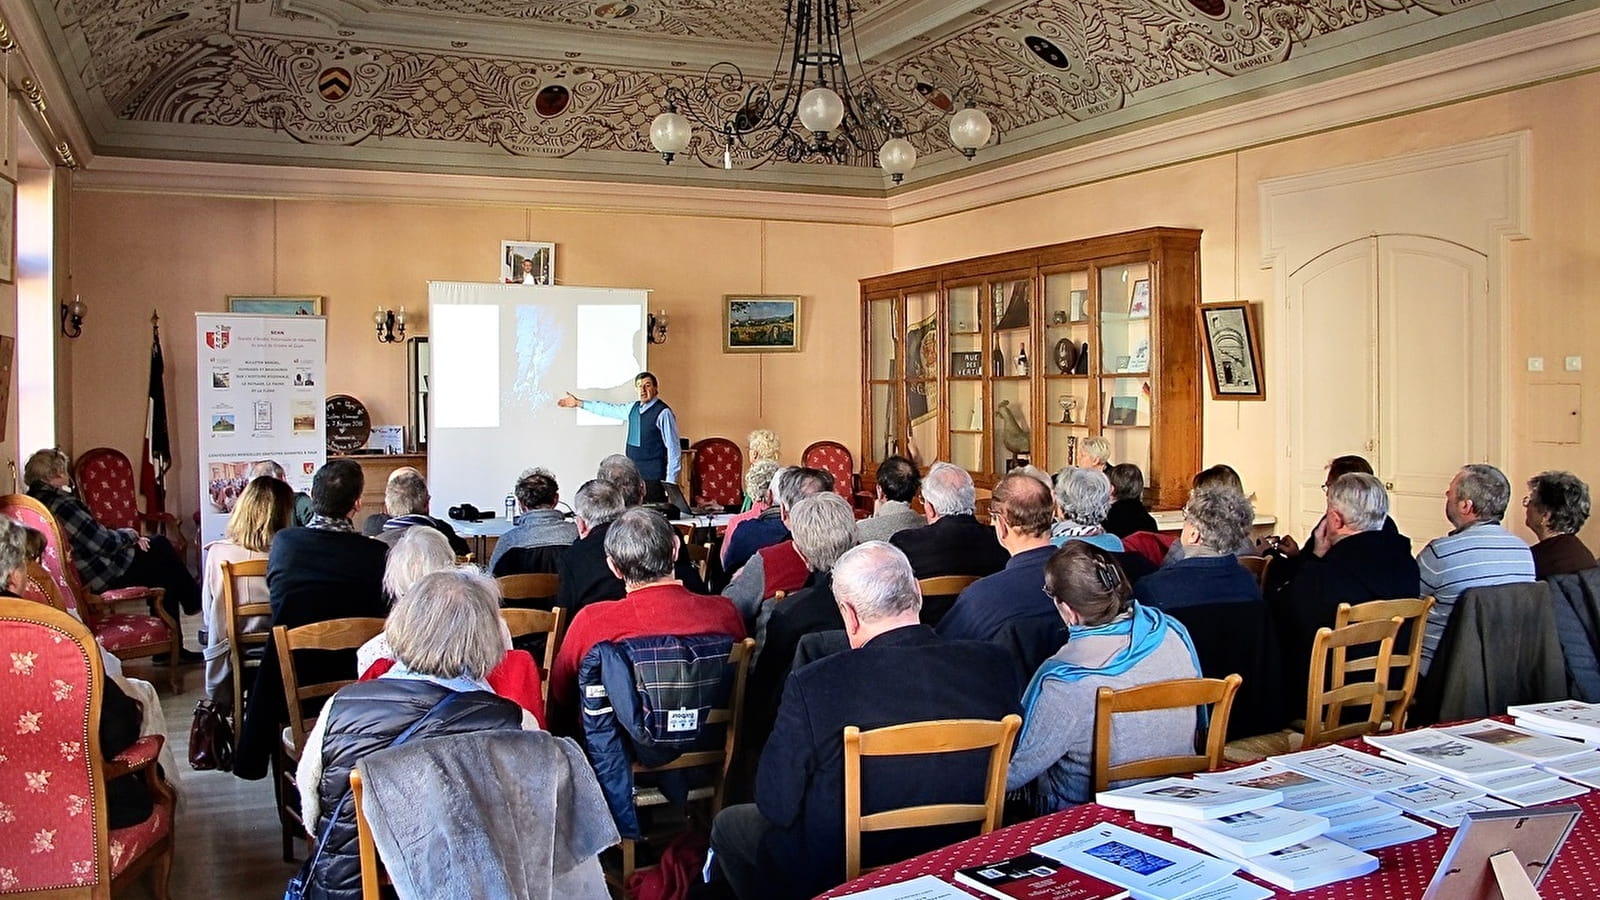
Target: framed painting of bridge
<point>760,324</point>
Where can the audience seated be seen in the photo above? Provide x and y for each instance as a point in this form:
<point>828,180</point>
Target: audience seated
<point>758,499</point>
<point>776,567</point>
<point>640,548</point>
<point>1219,475</point>
<point>1094,452</point>
<point>326,570</point>
<point>1115,642</point>
<point>447,635</point>
<point>405,498</point>
<point>539,527</point>
<point>1083,497</point>
<point>1354,560</point>
<point>1288,552</point>
<point>788,486</point>
<point>109,558</point>
<point>822,533</point>
<point>1215,521</point>
<point>265,508</point>
<point>898,480</point>
<point>622,472</point>
<point>790,842</point>
<point>1478,551</point>
<point>1557,505</point>
<point>585,577</point>
<point>1021,511</point>
<point>303,510</point>
<point>954,541</point>
<point>1127,513</point>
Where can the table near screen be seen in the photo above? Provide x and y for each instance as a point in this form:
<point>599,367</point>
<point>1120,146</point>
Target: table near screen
<point>484,533</point>
<point>1403,872</point>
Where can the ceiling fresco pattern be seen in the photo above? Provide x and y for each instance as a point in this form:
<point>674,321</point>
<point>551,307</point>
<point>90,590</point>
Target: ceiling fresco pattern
<point>187,67</point>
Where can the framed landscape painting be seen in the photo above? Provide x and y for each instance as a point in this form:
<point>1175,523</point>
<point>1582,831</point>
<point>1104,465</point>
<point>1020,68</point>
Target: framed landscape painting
<point>760,324</point>
<point>276,306</point>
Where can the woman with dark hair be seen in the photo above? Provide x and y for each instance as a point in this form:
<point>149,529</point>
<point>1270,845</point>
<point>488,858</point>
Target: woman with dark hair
<point>1115,642</point>
<point>1557,505</point>
<point>1127,513</point>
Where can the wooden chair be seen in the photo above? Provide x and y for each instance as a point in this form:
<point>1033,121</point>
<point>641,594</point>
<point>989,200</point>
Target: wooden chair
<point>939,594</point>
<point>334,634</point>
<point>239,637</point>
<point>534,621</point>
<point>700,554</point>
<point>539,590</point>
<point>1257,566</point>
<point>730,717</point>
<point>56,843</point>
<point>1181,693</point>
<point>373,878</point>
<point>124,635</point>
<point>1329,693</point>
<point>918,738</point>
<point>1416,613</point>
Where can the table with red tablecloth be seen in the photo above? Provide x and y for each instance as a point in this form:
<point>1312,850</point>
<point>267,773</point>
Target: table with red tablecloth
<point>1403,872</point>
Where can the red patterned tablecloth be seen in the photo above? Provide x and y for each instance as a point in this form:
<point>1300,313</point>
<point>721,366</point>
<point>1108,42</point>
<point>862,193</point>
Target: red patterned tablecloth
<point>1404,870</point>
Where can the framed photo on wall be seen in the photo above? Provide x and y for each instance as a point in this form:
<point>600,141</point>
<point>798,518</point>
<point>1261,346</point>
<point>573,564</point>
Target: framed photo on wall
<point>762,324</point>
<point>1232,337</point>
<point>276,305</point>
<point>8,230</point>
<point>527,262</point>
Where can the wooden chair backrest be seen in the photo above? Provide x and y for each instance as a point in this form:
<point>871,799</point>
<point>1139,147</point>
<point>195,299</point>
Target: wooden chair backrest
<point>1406,659</point>
<point>334,634</point>
<point>373,877</point>
<point>1329,693</point>
<point>1181,693</point>
<point>700,555</point>
<point>532,621</point>
<point>945,585</point>
<point>731,716</point>
<point>529,587</point>
<point>917,738</point>
<point>1257,566</point>
<point>235,614</point>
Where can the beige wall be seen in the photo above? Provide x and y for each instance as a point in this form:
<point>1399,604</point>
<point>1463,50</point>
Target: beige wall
<point>180,255</point>
<point>1550,278</point>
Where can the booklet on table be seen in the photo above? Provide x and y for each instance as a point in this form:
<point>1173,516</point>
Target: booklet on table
<point>1451,814</point>
<point>1188,798</point>
<point>1369,809</point>
<point>1529,745</point>
<point>1447,753</point>
<point>1563,718</point>
<point>1037,877</point>
<point>1355,769</point>
<point>1250,833</point>
<point>1152,869</point>
<point>1375,835</point>
<point>1415,798</point>
<point>1301,792</point>
<point>1298,867</point>
<point>923,887</point>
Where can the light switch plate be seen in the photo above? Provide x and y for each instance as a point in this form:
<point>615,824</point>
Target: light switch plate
<point>1574,364</point>
<point>1535,364</point>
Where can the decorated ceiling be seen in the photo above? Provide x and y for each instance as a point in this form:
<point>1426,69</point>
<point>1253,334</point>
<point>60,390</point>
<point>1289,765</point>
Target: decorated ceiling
<point>567,88</point>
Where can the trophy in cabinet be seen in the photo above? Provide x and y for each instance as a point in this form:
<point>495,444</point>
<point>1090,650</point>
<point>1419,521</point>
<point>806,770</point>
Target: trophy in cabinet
<point>1068,403</point>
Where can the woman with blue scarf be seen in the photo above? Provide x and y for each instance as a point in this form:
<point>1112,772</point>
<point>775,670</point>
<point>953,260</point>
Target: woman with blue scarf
<point>1116,643</point>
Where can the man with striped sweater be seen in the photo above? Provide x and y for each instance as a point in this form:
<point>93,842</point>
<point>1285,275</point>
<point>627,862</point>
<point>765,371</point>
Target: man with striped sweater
<point>1478,551</point>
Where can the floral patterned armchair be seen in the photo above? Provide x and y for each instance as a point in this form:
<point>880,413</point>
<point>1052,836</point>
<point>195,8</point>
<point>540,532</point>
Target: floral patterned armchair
<point>107,485</point>
<point>53,832</point>
<point>130,635</point>
<point>718,475</point>
<point>835,459</point>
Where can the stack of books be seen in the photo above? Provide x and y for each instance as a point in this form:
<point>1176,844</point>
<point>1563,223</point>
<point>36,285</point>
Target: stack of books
<point>1565,718</point>
<point>1508,777</point>
<point>1149,868</point>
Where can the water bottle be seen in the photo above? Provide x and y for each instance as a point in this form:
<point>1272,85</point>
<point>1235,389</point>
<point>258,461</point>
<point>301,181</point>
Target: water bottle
<point>511,505</point>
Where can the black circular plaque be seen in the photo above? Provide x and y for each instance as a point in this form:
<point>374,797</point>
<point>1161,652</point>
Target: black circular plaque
<point>349,426</point>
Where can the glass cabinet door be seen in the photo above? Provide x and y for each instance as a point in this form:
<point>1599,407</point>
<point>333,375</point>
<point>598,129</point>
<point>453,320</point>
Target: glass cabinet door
<point>922,371</point>
<point>1127,357</point>
<point>1011,362</point>
<point>882,413</point>
<point>1064,358</point>
<point>965,420</point>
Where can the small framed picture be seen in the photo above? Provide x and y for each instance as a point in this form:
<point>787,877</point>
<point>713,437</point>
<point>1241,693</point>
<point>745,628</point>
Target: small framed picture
<point>764,324</point>
<point>1079,302</point>
<point>1232,337</point>
<point>527,262</point>
<point>276,306</point>
<point>1139,306</point>
<point>1123,411</point>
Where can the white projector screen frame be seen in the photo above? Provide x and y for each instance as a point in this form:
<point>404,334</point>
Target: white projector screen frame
<point>502,355</point>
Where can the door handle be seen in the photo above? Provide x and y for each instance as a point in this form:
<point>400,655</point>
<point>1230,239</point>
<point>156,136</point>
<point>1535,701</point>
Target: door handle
<point>1388,485</point>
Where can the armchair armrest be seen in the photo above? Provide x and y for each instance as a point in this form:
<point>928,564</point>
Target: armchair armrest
<point>138,755</point>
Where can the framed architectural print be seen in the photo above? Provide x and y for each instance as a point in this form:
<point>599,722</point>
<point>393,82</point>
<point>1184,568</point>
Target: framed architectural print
<point>527,262</point>
<point>276,306</point>
<point>1231,334</point>
<point>8,230</point>
<point>761,324</point>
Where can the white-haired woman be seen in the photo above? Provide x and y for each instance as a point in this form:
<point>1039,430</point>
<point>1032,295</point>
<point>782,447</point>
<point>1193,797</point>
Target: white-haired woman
<point>1083,497</point>
<point>447,635</point>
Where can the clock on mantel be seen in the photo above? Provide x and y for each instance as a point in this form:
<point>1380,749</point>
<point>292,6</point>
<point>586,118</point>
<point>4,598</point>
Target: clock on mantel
<point>349,425</point>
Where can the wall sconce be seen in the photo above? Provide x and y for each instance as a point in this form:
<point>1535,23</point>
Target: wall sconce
<point>391,325</point>
<point>72,316</point>
<point>656,330</point>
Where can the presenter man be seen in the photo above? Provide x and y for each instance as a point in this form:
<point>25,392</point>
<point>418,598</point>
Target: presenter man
<point>652,432</point>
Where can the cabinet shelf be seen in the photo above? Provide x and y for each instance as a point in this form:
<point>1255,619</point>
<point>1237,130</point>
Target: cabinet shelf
<point>965,431</point>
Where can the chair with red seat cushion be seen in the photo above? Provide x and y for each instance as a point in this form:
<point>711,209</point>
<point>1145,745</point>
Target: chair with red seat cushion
<point>124,635</point>
<point>53,832</point>
<point>107,485</point>
<point>718,474</point>
<point>835,459</point>
<point>1152,545</point>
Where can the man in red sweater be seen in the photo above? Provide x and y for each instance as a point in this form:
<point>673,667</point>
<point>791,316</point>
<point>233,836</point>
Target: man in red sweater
<point>640,550</point>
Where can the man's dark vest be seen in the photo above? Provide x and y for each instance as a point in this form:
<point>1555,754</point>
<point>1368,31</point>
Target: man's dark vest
<point>650,454</point>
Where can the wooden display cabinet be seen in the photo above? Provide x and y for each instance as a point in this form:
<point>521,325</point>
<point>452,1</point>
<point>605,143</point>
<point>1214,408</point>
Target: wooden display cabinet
<point>999,361</point>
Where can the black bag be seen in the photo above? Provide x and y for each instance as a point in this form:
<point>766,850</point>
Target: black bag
<point>210,739</point>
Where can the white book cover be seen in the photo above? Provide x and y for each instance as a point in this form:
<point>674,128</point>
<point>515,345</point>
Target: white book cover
<point>1188,798</point>
<point>1451,814</point>
<point>1590,777</point>
<point>1368,836</point>
<point>1447,753</point>
<point>1305,865</point>
<point>1231,887</point>
<point>1368,810</point>
<point>1250,833</point>
<point>1152,869</point>
<point>1529,745</point>
<point>1416,798</point>
<point>1588,762</point>
<point>924,887</point>
<point>1537,794</point>
<point>1354,769</point>
<point>1301,792</point>
<point>1509,781</point>
<point>1565,718</point>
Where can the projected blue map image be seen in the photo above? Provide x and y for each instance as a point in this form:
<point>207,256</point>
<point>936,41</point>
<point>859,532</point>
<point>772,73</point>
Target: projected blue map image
<point>538,338</point>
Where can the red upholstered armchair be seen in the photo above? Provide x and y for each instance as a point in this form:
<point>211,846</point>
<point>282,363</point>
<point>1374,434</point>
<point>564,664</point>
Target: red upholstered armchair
<point>836,459</point>
<point>130,635</point>
<point>108,486</point>
<point>718,475</point>
<point>53,833</point>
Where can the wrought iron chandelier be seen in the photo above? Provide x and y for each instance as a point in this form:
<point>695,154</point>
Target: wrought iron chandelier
<point>813,111</point>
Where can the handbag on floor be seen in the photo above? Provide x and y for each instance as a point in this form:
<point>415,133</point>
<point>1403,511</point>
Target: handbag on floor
<point>210,739</point>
